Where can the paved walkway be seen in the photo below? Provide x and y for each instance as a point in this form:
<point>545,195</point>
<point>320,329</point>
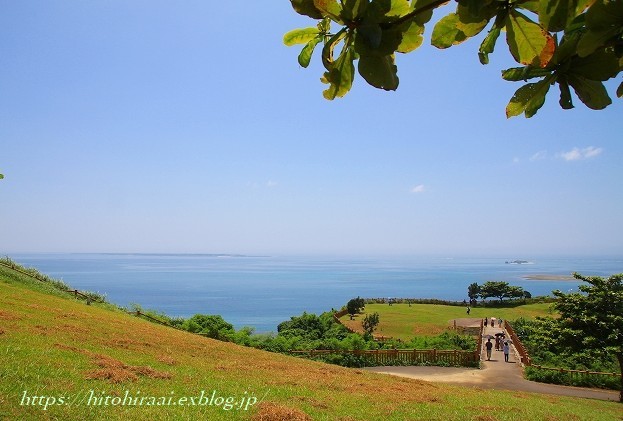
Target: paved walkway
<point>494,374</point>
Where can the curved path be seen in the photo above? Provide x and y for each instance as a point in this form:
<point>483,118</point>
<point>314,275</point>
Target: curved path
<point>494,374</point>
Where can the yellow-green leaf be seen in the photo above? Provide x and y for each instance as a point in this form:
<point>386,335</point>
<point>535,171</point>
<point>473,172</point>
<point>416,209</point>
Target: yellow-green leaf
<point>340,76</point>
<point>399,8</point>
<point>488,45</point>
<point>528,99</point>
<point>300,36</point>
<point>411,38</point>
<point>446,34</point>
<point>307,51</point>
<point>472,25</point>
<point>528,42</point>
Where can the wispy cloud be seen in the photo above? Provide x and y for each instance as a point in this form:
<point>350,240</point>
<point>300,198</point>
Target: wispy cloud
<point>420,188</point>
<point>271,184</point>
<point>539,156</point>
<point>577,154</point>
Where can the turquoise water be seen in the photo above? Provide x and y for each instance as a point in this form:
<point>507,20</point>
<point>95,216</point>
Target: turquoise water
<point>261,292</point>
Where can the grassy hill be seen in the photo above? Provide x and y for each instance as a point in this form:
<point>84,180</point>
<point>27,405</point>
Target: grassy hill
<point>402,321</point>
<point>62,359</point>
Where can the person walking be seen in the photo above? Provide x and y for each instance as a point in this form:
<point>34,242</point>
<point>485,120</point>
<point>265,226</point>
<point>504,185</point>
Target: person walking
<point>489,347</point>
<point>506,348</point>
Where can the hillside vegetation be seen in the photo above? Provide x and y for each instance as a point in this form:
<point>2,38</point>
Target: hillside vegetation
<point>63,359</point>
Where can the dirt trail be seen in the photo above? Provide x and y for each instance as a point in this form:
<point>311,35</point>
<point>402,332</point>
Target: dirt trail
<point>494,374</point>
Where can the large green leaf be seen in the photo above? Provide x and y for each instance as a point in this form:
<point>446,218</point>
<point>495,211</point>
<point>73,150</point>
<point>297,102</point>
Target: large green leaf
<point>300,36</point>
<point>604,14</point>
<point>488,44</point>
<point>307,51</point>
<point>528,42</point>
<point>411,38</point>
<point>604,20</point>
<point>380,72</point>
<point>565,95</point>
<point>472,24</point>
<point>516,74</point>
<point>446,34</point>
<point>306,8</point>
<point>594,39</point>
<point>340,76</point>
<point>398,8</point>
<point>555,15</point>
<point>592,93</point>
<point>601,65</point>
<point>528,99</point>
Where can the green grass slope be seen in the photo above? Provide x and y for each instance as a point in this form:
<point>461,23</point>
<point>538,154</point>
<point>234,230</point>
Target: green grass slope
<point>61,359</point>
<point>402,321</point>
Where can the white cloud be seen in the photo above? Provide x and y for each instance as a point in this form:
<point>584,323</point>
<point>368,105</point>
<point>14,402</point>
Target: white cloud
<point>418,189</point>
<point>539,156</point>
<point>577,154</point>
<point>271,183</point>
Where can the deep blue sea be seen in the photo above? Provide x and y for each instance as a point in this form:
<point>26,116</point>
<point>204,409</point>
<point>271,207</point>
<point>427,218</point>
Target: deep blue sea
<point>261,292</point>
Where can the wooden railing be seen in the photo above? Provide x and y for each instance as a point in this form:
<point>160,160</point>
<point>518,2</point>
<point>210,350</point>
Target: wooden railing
<point>576,372</point>
<point>77,294</point>
<point>521,350</point>
<point>406,356</point>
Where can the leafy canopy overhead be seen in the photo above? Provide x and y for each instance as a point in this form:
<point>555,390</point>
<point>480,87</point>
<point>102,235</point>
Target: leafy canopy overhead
<point>574,44</point>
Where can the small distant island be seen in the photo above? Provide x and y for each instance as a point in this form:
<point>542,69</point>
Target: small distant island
<point>539,277</point>
<point>517,262</point>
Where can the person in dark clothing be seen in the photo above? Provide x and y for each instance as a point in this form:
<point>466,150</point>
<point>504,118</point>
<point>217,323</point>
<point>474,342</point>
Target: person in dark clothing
<point>489,347</point>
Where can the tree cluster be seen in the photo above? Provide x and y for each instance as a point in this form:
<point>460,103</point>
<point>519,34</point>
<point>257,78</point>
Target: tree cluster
<point>370,322</point>
<point>495,289</point>
<point>589,332</point>
<point>355,306</point>
<point>575,44</point>
<point>593,318</point>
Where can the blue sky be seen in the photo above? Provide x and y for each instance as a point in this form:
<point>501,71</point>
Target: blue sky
<point>160,126</point>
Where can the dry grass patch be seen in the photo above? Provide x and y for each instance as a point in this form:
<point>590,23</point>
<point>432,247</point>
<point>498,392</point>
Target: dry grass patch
<point>268,411</point>
<point>165,359</point>
<point>114,370</point>
<point>5,315</point>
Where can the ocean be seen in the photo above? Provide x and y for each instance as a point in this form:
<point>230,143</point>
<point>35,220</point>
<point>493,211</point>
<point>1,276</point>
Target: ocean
<point>263,291</point>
